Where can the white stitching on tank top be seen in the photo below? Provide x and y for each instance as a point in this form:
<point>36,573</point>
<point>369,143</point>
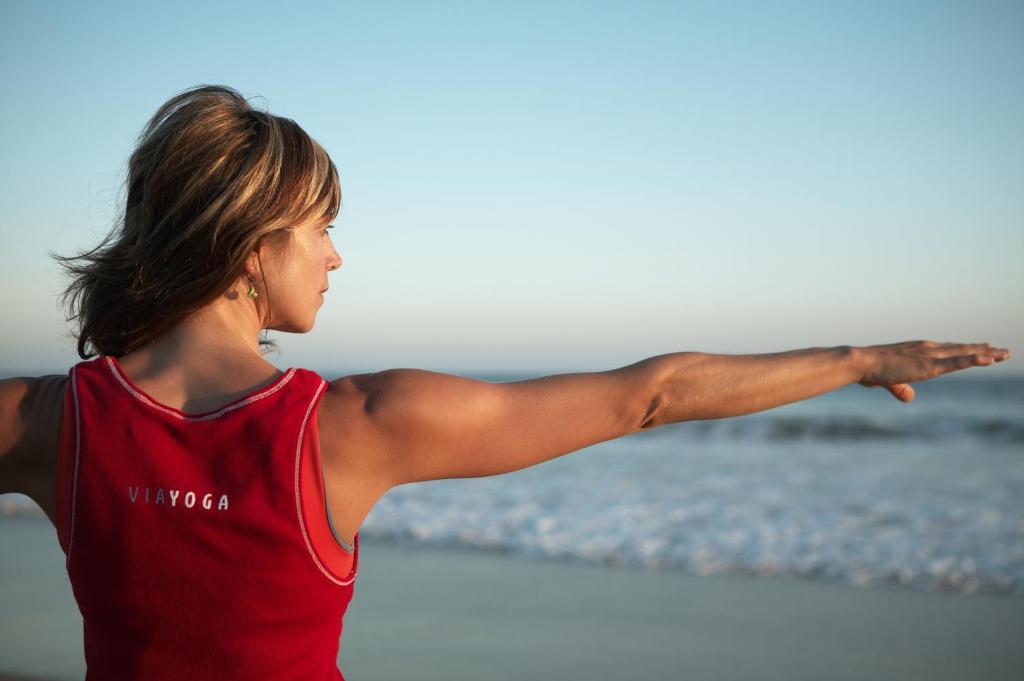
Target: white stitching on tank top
<point>298,501</point>
<point>287,376</point>
<point>78,447</point>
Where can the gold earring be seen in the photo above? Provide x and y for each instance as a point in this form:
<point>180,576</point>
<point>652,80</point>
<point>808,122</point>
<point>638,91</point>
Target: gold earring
<point>252,290</point>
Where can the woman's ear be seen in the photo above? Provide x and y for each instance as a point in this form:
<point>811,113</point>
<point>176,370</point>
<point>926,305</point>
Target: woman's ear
<point>252,265</point>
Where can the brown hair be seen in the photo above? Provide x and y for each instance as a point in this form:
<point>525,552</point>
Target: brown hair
<point>209,179</point>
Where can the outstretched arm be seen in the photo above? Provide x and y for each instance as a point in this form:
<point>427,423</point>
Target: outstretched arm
<point>424,425</point>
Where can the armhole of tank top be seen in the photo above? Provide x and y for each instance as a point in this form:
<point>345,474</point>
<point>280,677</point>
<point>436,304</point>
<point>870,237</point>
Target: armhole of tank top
<point>65,477</point>
<point>349,548</point>
<point>346,547</point>
<point>325,546</point>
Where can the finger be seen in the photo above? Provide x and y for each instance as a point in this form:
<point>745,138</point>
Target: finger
<point>956,349</point>
<point>997,354</point>
<point>902,391</point>
<point>962,362</point>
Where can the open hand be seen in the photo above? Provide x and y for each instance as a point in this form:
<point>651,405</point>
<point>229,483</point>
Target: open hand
<point>895,365</point>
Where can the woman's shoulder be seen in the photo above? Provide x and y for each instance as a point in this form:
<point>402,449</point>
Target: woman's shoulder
<point>344,422</point>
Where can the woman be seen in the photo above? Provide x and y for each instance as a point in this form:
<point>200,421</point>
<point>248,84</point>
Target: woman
<point>208,503</point>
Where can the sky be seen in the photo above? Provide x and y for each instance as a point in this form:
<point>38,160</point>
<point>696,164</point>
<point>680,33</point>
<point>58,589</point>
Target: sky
<point>562,186</point>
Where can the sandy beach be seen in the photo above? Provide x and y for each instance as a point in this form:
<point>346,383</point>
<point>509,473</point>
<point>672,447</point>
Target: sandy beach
<point>464,614</point>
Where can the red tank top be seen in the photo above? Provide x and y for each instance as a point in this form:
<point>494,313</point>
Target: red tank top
<point>198,545</point>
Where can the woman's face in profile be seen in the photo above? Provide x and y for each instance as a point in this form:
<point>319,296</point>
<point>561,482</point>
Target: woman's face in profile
<point>298,276</point>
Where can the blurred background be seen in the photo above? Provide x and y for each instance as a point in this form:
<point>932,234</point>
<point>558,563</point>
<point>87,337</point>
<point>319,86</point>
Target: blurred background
<point>544,187</point>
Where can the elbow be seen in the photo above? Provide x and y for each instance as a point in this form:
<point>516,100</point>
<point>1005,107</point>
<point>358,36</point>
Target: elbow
<point>649,418</point>
<point>652,404</point>
<point>660,380</point>
<point>641,395</point>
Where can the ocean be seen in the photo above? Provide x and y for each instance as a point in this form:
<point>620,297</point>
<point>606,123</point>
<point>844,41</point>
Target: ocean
<point>852,487</point>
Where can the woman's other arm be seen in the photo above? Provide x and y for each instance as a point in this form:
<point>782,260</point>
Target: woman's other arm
<point>15,454</point>
<point>30,415</point>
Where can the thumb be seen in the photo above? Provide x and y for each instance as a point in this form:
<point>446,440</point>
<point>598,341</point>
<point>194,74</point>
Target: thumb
<point>902,391</point>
